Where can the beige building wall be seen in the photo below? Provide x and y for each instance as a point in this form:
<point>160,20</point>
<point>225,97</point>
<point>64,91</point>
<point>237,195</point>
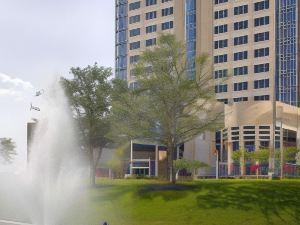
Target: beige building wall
<point>251,61</point>
<point>177,26</point>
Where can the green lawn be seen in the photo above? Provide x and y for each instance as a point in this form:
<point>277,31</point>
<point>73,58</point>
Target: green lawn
<point>233,202</point>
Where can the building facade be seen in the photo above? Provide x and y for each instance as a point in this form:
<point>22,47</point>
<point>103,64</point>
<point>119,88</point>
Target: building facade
<point>253,47</point>
<point>256,71</point>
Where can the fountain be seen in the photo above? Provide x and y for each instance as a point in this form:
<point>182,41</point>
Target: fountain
<point>53,178</point>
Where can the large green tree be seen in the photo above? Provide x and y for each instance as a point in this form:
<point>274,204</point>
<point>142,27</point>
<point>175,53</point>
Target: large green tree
<point>88,92</point>
<point>7,149</point>
<point>166,105</point>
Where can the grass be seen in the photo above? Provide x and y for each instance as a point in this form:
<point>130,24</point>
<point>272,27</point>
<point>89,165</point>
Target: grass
<point>207,202</point>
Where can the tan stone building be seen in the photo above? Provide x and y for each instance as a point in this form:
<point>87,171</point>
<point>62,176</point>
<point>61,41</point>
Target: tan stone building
<point>253,46</point>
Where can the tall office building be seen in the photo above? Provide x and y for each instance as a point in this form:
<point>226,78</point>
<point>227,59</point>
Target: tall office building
<point>255,51</point>
<point>138,24</point>
<point>254,47</point>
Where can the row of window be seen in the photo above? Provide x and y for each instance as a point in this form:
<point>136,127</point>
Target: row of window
<point>151,28</point>
<point>252,128</point>
<point>244,99</point>
<point>243,86</point>
<point>137,45</point>
<point>237,56</point>
<point>243,9</point>
<point>260,21</point>
<point>242,70</point>
<point>264,36</point>
<point>137,5</point>
<point>239,41</point>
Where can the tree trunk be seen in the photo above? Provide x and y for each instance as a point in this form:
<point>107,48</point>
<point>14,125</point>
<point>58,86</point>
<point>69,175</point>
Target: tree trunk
<point>171,169</point>
<point>92,167</point>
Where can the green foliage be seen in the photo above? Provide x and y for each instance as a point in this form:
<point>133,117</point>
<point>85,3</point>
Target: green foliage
<point>7,149</point>
<point>167,106</point>
<point>88,92</point>
<point>241,154</point>
<point>261,155</point>
<point>89,96</point>
<point>189,165</point>
<point>119,160</point>
<point>289,153</point>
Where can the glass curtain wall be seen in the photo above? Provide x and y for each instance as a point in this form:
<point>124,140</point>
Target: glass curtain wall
<point>190,27</point>
<point>287,28</point>
<point>121,39</point>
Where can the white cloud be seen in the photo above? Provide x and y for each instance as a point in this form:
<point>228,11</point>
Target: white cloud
<point>14,87</point>
<point>16,82</point>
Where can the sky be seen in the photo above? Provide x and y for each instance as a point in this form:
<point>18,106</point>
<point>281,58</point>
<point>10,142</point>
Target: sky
<point>41,40</point>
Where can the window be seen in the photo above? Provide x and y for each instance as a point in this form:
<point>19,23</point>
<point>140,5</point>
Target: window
<point>221,88</point>
<point>151,29</point>
<point>221,14</point>
<point>260,68</point>
<point>221,73</point>
<point>238,71</point>
<point>241,40</point>
<point>220,1</point>
<point>134,19</point>
<point>240,25</point>
<point>221,44</point>
<point>261,21</point>
<point>150,2</point>
<point>163,1</point>
<point>235,146</point>
<point>167,11</point>
<point>224,100</point>
<point>240,99</point>
<point>264,127</point>
<point>240,86</point>
<point>167,25</point>
<point>235,133</point>
<point>249,132</point>
<point>134,5</point>
<point>243,9</point>
<point>221,29</point>
<point>134,59</point>
<point>261,36</point>
<point>133,85</point>
<point>261,5</point>
<point>150,15</point>
<point>262,98</point>
<point>240,55</point>
<point>249,127</point>
<point>135,45</point>
<point>264,132</point>
<point>150,42</point>
<point>135,32</point>
<point>220,58</point>
<point>264,83</point>
<point>261,52</point>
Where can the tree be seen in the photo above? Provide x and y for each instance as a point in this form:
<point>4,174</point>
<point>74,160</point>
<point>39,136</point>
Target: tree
<point>119,160</point>
<point>7,149</point>
<point>88,92</point>
<point>190,165</point>
<point>289,154</point>
<point>166,106</point>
